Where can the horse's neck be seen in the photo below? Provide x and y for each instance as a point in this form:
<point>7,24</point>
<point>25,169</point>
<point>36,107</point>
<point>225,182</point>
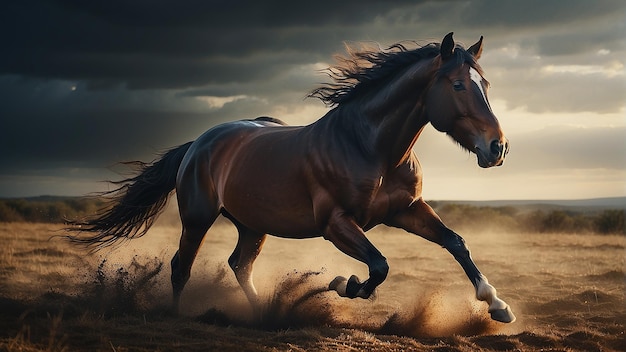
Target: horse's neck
<point>383,125</point>
<point>398,113</point>
<point>344,128</point>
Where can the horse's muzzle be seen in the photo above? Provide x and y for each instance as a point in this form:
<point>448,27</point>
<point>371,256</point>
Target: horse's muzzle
<point>494,154</point>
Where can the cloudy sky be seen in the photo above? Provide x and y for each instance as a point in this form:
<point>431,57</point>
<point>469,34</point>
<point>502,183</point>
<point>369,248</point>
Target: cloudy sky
<point>88,83</point>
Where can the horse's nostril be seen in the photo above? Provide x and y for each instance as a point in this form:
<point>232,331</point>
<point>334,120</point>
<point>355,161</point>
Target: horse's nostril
<point>496,147</point>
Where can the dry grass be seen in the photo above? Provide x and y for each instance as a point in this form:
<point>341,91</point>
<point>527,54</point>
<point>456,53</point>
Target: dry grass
<point>567,291</point>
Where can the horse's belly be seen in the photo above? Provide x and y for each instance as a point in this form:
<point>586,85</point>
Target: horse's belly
<point>289,217</point>
<point>270,200</point>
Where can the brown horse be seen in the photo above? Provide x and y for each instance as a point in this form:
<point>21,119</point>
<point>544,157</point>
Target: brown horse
<point>352,169</point>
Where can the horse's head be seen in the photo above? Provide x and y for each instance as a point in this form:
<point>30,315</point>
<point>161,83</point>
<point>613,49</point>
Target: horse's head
<point>457,104</point>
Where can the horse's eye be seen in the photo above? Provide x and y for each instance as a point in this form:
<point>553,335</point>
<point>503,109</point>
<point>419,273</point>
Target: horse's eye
<point>458,85</point>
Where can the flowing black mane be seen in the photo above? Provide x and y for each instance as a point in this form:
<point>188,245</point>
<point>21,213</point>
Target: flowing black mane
<point>367,68</point>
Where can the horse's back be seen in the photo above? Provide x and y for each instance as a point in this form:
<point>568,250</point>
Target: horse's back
<point>253,169</point>
<point>223,140</point>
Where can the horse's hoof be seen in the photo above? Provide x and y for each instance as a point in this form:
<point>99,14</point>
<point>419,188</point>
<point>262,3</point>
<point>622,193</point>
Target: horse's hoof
<point>339,284</point>
<point>354,288</point>
<point>350,288</point>
<point>504,315</point>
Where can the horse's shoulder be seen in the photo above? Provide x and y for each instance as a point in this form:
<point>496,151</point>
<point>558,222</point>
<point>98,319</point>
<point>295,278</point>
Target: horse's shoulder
<point>407,175</point>
<point>410,167</point>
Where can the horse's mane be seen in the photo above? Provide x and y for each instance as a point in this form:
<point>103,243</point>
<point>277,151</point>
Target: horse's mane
<point>364,67</point>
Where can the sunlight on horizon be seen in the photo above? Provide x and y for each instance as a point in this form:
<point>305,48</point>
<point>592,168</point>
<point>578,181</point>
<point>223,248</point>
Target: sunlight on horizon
<point>215,102</point>
<point>615,68</point>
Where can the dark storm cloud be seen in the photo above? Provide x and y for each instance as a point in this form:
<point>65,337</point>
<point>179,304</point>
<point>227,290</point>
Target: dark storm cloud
<point>596,35</point>
<point>53,125</point>
<point>533,13</point>
<point>171,44</point>
<point>164,44</point>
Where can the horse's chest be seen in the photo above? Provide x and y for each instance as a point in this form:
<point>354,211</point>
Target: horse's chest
<point>395,193</point>
<point>372,206</point>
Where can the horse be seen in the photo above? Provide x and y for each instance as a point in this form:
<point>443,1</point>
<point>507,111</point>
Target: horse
<point>338,177</point>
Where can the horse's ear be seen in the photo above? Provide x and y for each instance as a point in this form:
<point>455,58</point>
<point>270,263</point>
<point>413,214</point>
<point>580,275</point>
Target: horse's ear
<point>447,46</point>
<point>477,49</point>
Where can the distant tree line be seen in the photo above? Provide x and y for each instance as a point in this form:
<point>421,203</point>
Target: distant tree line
<point>511,218</point>
<point>456,216</point>
<point>47,209</point>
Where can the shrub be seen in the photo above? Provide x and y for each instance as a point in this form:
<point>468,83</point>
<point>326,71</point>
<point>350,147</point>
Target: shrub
<point>9,214</point>
<point>468,217</point>
<point>610,221</point>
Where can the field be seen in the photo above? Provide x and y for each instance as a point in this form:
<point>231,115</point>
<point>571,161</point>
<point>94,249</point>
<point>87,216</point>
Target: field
<point>567,291</point>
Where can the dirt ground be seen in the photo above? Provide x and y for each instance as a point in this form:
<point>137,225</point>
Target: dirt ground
<point>567,292</point>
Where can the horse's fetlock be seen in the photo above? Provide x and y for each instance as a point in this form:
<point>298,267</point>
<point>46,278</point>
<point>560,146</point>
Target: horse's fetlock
<point>379,270</point>
<point>485,291</point>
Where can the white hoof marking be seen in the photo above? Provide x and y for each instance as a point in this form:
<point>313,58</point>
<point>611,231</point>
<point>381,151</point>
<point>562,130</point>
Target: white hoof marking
<point>499,310</point>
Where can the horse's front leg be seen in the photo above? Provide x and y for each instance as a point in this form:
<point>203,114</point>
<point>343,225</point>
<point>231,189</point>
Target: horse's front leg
<point>349,238</point>
<point>421,220</point>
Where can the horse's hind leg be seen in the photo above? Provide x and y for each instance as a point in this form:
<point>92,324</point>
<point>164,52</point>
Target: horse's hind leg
<point>241,261</point>
<point>196,222</point>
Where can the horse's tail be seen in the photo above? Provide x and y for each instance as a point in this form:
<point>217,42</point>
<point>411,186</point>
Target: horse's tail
<point>134,206</point>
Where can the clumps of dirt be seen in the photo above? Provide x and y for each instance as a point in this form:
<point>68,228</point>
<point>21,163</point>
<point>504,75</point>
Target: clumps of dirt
<point>297,303</point>
<point>111,293</point>
<point>302,300</point>
<point>125,290</point>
